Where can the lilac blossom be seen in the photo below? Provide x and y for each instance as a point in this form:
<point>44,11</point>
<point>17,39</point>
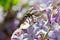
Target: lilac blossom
<point>34,28</point>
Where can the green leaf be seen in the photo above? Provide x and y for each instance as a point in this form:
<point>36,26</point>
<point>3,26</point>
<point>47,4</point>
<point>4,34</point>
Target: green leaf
<point>6,4</point>
<point>15,2</point>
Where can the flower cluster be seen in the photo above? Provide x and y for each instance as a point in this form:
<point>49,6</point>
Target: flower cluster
<point>43,24</point>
